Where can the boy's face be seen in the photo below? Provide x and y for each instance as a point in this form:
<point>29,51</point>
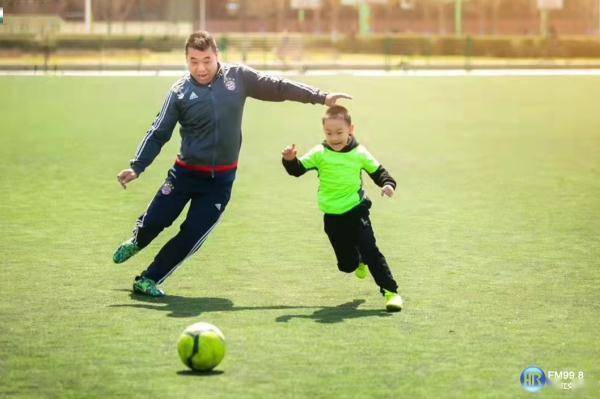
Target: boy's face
<point>203,65</point>
<point>337,132</point>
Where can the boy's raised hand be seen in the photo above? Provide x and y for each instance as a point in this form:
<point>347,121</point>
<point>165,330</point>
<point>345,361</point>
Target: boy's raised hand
<point>289,152</point>
<point>387,190</point>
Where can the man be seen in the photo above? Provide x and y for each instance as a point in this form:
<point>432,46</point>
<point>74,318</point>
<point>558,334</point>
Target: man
<point>208,103</point>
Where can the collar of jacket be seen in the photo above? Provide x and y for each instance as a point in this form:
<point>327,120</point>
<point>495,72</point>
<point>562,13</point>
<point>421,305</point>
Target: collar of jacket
<point>217,76</point>
<point>352,144</point>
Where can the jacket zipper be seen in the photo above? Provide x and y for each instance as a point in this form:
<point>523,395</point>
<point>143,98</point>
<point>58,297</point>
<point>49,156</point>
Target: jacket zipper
<point>215,119</point>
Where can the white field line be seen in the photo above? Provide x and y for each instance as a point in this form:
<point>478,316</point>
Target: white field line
<point>342,72</point>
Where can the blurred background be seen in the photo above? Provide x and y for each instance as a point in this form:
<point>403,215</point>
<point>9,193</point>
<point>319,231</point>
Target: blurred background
<point>302,34</point>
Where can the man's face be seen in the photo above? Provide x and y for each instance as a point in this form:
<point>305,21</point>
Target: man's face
<point>202,64</point>
<point>337,132</point>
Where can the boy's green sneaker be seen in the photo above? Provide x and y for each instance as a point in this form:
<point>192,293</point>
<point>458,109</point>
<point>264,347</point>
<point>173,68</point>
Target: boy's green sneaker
<point>362,271</point>
<point>146,286</point>
<point>125,251</point>
<point>393,301</point>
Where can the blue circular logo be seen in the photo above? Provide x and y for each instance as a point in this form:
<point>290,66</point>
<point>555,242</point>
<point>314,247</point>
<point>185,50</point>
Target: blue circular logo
<point>533,379</point>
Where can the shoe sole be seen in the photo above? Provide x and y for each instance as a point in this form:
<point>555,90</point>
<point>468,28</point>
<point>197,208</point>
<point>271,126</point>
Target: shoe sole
<point>118,260</point>
<point>138,291</point>
<point>393,308</point>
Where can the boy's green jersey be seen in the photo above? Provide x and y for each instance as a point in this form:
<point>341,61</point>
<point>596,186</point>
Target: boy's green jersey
<point>340,180</point>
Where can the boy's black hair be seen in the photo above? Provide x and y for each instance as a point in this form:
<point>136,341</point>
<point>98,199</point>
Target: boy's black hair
<point>337,112</point>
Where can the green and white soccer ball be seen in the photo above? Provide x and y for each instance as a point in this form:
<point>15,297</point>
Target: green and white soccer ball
<point>201,346</point>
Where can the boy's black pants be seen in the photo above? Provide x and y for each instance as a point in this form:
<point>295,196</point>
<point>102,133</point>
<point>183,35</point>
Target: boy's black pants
<point>353,241</point>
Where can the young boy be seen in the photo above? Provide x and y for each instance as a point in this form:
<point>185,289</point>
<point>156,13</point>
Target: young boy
<point>339,161</point>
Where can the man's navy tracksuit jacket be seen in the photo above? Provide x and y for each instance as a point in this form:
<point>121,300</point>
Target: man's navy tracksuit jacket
<point>210,117</point>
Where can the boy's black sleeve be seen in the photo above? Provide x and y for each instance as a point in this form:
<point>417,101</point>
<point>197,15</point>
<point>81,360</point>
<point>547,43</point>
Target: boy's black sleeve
<point>294,167</point>
<point>381,177</point>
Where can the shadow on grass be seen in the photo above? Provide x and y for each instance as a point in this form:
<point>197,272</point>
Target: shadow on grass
<point>337,314</point>
<point>191,373</point>
<point>179,306</point>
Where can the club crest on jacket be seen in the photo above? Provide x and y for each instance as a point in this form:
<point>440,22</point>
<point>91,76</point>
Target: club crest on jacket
<point>167,188</point>
<point>230,84</point>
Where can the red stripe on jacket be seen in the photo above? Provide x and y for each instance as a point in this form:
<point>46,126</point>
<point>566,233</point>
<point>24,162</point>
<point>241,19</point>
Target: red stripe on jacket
<point>202,168</point>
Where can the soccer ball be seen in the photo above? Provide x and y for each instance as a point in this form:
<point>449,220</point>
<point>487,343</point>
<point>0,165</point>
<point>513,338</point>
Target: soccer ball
<point>201,346</point>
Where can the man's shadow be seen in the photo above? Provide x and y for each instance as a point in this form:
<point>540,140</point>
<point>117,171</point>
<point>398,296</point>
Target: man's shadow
<point>179,306</point>
<point>337,314</point>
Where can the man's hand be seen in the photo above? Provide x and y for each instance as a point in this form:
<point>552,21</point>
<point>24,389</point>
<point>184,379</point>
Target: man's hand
<point>387,190</point>
<point>289,152</point>
<point>125,176</point>
<point>333,97</point>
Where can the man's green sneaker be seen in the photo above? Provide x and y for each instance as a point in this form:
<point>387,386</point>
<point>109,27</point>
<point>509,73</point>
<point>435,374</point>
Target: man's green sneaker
<point>146,286</point>
<point>125,251</point>
<point>361,271</point>
<point>393,301</point>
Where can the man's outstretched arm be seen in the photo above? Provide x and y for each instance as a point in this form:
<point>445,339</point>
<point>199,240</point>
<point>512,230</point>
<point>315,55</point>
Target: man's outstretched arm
<point>272,88</point>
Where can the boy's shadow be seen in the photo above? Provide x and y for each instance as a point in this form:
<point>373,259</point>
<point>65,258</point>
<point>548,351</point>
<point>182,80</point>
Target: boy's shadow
<point>337,314</point>
<point>179,306</point>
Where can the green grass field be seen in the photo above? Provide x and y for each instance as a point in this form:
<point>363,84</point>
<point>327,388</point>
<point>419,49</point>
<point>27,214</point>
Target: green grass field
<point>494,238</point>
